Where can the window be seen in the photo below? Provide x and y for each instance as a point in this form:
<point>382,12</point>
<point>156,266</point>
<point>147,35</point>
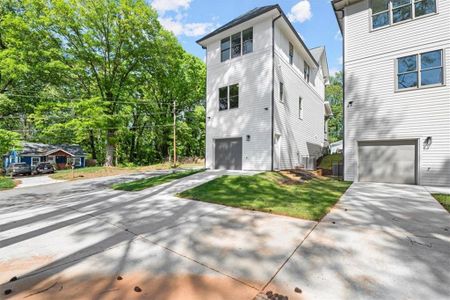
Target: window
<point>387,12</point>
<point>223,98</point>
<point>281,91</point>
<point>307,72</point>
<point>229,97</point>
<point>35,161</point>
<point>291,54</point>
<point>380,13</point>
<point>236,45</point>
<point>225,49</point>
<point>51,159</point>
<point>77,161</point>
<point>422,70</point>
<point>401,10</point>
<point>300,108</point>
<point>247,37</point>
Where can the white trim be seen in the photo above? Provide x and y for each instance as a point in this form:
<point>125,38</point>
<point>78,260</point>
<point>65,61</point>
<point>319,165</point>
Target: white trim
<point>57,150</point>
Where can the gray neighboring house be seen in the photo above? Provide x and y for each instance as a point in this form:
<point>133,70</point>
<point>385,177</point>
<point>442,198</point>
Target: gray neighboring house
<point>397,90</point>
<point>62,156</point>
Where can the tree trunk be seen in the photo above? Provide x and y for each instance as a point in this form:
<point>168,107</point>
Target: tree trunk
<point>92,144</point>
<point>110,147</point>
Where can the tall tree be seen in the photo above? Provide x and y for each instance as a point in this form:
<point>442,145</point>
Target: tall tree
<point>334,95</point>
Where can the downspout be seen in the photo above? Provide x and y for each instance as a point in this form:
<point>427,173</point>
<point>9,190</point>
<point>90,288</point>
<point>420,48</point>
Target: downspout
<point>273,88</point>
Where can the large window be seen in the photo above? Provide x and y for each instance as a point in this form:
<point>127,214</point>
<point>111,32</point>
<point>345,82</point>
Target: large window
<point>387,12</point>
<point>77,161</point>
<point>225,49</point>
<point>291,53</point>
<point>420,70</point>
<point>307,72</point>
<point>238,44</point>
<point>35,161</point>
<point>247,37</point>
<point>229,97</point>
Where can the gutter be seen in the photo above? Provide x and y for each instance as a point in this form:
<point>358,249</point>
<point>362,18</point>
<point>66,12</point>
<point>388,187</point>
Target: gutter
<point>273,87</point>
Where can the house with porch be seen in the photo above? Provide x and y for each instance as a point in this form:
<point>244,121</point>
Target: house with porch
<point>62,156</point>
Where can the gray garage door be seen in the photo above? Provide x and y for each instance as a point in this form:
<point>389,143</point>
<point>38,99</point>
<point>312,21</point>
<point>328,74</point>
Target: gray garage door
<point>228,154</point>
<point>387,161</point>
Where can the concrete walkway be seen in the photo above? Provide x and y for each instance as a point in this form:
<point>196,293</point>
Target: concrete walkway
<point>380,242</point>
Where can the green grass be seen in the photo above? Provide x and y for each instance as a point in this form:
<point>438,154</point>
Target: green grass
<point>142,184</point>
<point>444,200</point>
<point>266,192</point>
<point>328,160</point>
<point>6,183</point>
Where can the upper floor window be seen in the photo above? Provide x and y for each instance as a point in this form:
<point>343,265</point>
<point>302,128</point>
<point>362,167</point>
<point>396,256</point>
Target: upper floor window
<point>420,70</point>
<point>238,44</point>
<point>307,72</point>
<point>291,53</point>
<point>229,97</point>
<point>387,12</point>
<point>300,108</point>
<point>281,91</point>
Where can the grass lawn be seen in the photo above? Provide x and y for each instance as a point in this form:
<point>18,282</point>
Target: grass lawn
<point>6,183</point>
<point>95,172</point>
<point>142,184</point>
<point>268,192</point>
<point>328,160</point>
<point>444,200</point>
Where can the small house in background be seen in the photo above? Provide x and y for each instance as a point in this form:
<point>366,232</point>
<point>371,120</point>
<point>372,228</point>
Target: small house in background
<point>62,156</point>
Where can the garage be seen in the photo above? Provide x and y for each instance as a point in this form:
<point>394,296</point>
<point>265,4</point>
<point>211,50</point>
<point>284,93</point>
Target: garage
<point>228,154</point>
<point>392,161</point>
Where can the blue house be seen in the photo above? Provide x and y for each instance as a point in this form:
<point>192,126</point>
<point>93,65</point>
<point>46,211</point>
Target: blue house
<point>62,156</point>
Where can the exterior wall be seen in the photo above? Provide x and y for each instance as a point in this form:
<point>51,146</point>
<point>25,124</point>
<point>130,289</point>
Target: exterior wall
<point>253,73</point>
<point>379,112</point>
<point>299,137</point>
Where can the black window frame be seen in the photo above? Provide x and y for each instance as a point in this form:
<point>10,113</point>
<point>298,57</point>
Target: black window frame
<point>222,49</point>
<point>248,40</point>
<point>419,70</point>
<point>236,45</point>
<point>281,87</point>
<point>414,6</point>
<point>228,99</point>
<point>307,72</point>
<point>300,108</point>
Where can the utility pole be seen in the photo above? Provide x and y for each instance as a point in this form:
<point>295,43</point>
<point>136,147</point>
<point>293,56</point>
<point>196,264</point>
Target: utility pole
<point>174,134</point>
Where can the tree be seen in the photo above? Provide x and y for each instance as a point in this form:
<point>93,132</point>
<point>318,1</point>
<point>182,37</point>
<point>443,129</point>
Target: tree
<point>9,141</point>
<point>334,95</point>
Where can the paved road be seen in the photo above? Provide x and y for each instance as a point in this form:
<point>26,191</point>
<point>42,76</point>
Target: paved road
<point>36,180</point>
<point>82,240</point>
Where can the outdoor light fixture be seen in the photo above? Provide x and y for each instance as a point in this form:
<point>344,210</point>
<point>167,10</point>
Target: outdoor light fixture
<point>350,104</point>
<point>427,143</point>
<point>248,138</point>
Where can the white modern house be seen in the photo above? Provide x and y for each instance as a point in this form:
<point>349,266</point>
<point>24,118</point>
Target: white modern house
<point>397,90</point>
<point>265,94</point>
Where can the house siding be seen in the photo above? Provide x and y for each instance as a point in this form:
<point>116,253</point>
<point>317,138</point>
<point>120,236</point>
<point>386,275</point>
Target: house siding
<point>253,73</point>
<point>299,137</point>
<point>379,112</point>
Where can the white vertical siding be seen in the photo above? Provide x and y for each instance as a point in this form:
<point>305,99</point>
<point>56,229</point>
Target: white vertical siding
<point>299,137</point>
<point>378,111</point>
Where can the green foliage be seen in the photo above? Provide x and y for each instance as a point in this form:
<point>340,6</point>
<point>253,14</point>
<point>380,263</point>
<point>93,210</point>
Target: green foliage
<point>334,94</point>
<point>142,184</point>
<point>6,183</point>
<point>103,74</point>
<point>327,161</point>
<point>266,192</point>
<point>9,141</point>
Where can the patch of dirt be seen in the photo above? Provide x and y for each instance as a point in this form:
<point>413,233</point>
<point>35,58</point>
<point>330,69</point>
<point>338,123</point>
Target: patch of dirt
<point>13,268</point>
<point>134,286</point>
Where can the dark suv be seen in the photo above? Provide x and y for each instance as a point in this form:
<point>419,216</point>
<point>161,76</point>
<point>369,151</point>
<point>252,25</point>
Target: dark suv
<point>44,168</point>
<point>18,169</point>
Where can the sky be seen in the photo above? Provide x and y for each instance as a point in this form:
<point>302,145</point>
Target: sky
<point>189,20</point>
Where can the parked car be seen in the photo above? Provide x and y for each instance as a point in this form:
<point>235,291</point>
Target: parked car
<point>18,169</point>
<point>44,168</point>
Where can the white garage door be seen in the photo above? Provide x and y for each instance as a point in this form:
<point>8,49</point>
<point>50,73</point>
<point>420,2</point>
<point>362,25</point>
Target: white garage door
<point>388,161</point>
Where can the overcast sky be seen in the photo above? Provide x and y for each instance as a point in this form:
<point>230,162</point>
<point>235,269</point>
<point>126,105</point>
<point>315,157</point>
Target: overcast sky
<point>189,20</point>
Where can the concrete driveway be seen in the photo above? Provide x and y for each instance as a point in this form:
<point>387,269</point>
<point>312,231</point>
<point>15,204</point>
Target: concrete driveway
<point>37,180</point>
<point>82,240</point>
